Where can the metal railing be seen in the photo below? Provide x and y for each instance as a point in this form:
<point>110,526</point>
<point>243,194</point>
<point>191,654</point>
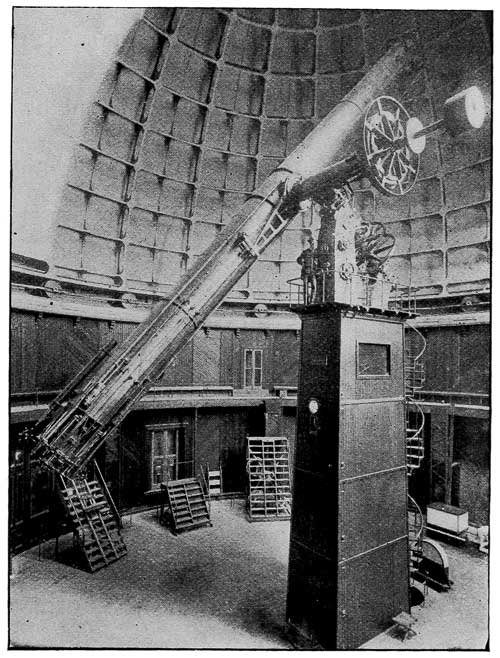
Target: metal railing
<point>415,417</point>
<point>359,290</point>
<point>453,398</point>
<point>415,535</point>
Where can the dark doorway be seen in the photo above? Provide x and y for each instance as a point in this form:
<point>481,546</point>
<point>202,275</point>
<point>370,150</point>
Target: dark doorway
<point>471,468</point>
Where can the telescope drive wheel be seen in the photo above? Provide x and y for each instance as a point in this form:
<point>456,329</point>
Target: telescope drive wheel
<point>392,165</point>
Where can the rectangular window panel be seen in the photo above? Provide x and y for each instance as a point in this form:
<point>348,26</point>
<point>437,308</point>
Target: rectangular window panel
<point>248,379</point>
<point>248,359</point>
<point>253,368</point>
<point>374,360</point>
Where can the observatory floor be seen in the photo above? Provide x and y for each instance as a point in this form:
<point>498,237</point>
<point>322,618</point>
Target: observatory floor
<point>218,587</point>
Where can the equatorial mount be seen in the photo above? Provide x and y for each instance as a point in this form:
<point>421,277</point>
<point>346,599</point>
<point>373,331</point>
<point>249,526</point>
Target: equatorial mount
<point>390,159</point>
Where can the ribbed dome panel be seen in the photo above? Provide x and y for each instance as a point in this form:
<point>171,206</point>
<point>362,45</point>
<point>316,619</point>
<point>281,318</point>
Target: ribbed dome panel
<point>202,104</point>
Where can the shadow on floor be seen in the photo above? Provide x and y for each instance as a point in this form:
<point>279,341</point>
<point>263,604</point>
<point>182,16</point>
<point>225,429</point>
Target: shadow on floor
<point>227,573</point>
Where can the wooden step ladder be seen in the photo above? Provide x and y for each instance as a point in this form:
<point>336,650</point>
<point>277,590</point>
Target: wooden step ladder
<point>268,468</point>
<point>188,504</point>
<point>214,481</point>
<point>95,524</point>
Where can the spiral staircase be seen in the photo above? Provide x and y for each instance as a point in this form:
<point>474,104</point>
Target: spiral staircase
<point>415,346</point>
<point>415,537</point>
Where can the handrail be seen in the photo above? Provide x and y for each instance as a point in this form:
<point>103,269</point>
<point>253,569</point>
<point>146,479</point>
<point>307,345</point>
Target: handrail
<point>422,418</point>
<point>454,394</point>
<point>206,487</point>
<point>416,510</point>
<point>111,502</point>
<point>370,292</point>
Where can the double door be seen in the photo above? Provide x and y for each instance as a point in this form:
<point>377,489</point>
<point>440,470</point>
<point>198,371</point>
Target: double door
<point>171,454</point>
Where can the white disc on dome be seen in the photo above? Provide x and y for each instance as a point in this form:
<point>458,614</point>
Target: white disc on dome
<point>464,111</point>
<point>475,107</point>
<point>417,144</point>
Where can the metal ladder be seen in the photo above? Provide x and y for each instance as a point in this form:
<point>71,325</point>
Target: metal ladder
<point>415,536</point>
<point>414,380</point>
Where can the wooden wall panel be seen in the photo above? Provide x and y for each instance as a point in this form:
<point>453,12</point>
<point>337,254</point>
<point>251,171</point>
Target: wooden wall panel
<point>208,439</point>
<point>471,474</point>
<point>282,358</point>
<point>23,352</point>
<point>180,370</point>
<point>457,359</point>
<point>46,351</point>
<point>227,374</point>
<point>64,347</point>
<point>117,330</point>
<point>207,358</point>
<point>474,359</point>
<point>441,359</point>
<point>58,356</point>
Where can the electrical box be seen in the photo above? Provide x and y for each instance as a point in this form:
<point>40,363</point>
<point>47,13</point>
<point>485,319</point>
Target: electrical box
<point>447,517</point>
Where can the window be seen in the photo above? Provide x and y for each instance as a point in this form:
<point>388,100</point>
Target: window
<point>253,369</point>
<point>374,360</point>
<point>171,454</point>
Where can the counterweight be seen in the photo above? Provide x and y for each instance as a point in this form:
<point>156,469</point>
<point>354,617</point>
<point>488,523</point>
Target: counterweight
<point>95,403</point>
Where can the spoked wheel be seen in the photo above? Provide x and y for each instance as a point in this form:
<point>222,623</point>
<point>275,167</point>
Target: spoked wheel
<point>392,164</point>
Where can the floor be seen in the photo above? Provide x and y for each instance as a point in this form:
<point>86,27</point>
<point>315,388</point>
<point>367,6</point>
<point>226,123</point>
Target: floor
<point>218,587</point>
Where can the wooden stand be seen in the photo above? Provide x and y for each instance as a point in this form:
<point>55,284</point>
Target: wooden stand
<point>269,496</point>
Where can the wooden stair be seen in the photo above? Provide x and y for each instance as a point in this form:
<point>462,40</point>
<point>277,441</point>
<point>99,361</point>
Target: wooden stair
<point>95,524</point>
<point>214,482</point>
<point>188,504</point>
<point>268,468</point>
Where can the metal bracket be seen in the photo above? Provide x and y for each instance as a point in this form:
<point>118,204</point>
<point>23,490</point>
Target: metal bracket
<point>245,247</point>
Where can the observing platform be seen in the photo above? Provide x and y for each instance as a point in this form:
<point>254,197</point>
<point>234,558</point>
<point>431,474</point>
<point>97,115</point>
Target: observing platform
<point>358,291</point>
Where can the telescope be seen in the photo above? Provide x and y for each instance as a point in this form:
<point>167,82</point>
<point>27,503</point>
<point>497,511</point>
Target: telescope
<point>392,144</point>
